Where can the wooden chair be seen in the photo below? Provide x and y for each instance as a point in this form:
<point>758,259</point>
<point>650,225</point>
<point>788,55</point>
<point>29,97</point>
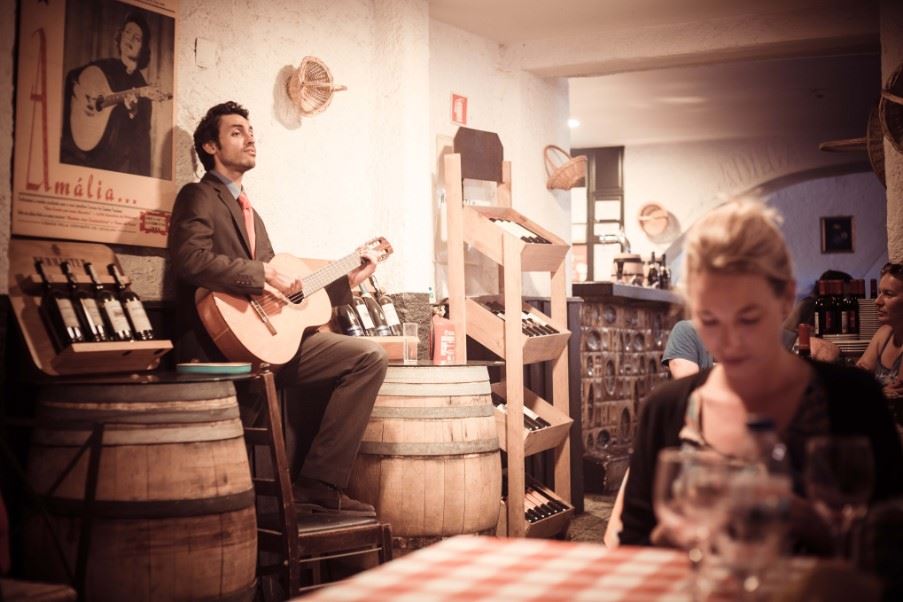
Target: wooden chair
<point>293,547</point>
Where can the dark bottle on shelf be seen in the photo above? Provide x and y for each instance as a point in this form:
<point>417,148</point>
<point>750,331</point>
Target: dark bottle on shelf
<point>664,274</point>
<point>111,310</point>
<point>652,272</point>
<point>347,320</point>
<point>851,307</point>
<point>873,285</point>
<point>133,306</point>
<point>388,307</point>
<point>85,307</point>
<point>60,313</point>
<point>363,314</point>
<point>804,344</point>
<point>376,312</point>
<point>824,311</point>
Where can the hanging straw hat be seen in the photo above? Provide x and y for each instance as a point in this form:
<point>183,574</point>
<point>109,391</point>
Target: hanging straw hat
<point>874,144</point>
<point>890,109</point>
<point>310,87</point>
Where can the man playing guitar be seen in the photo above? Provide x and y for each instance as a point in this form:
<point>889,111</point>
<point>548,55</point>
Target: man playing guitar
<point>218,242</point>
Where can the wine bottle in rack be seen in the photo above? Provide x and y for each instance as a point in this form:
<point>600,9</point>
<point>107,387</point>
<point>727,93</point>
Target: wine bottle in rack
<point>85,307</point>
<point>134,308</point>
<point>59,311</point>
<point>388,307</point>
<point>363,314</point>
<point>376,312</point>
<point>519,231</point>
<point>111,309</point>
<point>532,420</point>
<point>347,320</point>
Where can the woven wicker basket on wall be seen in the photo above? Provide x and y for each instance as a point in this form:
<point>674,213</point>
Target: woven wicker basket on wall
<point>564,171</point>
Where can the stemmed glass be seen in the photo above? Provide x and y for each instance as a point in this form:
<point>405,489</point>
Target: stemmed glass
<point>688,491</point>
<point>839,481</point>
<point>756,522</point>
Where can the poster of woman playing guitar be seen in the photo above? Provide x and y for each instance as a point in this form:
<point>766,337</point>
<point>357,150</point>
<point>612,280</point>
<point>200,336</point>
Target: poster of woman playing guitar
<point>94,154</point>
<point>118,69</point>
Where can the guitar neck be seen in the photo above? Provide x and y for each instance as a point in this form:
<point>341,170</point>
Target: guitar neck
<point>328,274</point>
<point>117,97</point>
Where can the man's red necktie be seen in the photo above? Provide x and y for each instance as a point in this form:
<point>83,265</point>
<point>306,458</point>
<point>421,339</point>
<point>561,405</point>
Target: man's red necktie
<point>248,214</point>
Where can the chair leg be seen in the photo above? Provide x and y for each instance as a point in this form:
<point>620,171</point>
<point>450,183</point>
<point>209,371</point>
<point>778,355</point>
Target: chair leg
<point>279,459</point>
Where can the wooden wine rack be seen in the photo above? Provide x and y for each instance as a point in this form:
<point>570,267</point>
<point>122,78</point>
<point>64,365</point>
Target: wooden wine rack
<point>478,155</point>
<point>25,298</point>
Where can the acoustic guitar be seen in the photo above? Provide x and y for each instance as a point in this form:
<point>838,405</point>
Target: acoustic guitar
<point>268,328</point>
<point>93,101</point>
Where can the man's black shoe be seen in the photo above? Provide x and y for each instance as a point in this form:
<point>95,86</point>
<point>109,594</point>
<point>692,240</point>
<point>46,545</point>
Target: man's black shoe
<point>319,497</point>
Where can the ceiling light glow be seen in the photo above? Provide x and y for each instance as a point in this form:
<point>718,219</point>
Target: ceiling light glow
<point>573,122</point>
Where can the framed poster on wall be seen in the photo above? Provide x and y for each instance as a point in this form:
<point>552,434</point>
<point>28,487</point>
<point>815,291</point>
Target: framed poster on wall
<point>93,155</point>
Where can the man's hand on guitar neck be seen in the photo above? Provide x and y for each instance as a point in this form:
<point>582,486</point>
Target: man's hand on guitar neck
<point>369,259</point>
<point>286,284</point>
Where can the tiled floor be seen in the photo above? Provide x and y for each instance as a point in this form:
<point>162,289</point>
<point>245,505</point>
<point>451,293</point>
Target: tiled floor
<point>590,525</point>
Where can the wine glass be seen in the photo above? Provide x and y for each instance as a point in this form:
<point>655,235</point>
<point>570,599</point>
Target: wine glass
<point>755,526</point>
<point>689,488</point>
<point>839,480</point>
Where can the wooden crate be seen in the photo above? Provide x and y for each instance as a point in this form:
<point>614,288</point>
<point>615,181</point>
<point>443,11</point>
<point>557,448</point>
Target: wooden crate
<point>489,330</point>
<point>488,238</point>
<point>25,297</point>
<point>533,441</point>
<point>547,527</point>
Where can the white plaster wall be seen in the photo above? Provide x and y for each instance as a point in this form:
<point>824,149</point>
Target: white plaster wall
<point>891,59</point>
<point>527,112</point>
<point>326,183</point>
<point>860,195</point>
<point>7,37</point>
<point>689,179</point>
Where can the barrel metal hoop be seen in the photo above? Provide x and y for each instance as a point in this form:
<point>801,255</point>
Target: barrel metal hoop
<point>137,393</point>
<point>154,509</point>
<point>452,448</point>
<point>434,413</point>
<point>112,436</point>
<point>436,374</point>
<point>61,419</point>
<point>435,389</point>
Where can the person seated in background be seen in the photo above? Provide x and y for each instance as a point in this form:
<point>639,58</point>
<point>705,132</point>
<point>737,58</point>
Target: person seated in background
<point>685,354</point>
<point>884,355</point>
<point>740,289</point>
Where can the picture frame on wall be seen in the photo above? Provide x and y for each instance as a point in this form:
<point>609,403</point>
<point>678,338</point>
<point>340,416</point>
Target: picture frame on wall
<point>95,98</point>
<point>837,234</point>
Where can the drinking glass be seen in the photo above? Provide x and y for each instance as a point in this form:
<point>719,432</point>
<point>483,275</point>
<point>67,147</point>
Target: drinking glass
<point>410,342</point>
<point>688,494</point>
<point>756,521</point>
<point>839,480</point>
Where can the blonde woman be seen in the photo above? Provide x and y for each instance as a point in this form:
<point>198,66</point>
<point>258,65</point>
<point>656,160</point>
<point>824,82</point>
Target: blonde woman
<point>740,288</point>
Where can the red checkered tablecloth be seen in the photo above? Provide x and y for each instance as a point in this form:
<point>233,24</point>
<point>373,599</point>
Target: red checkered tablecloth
<point>468,568</point>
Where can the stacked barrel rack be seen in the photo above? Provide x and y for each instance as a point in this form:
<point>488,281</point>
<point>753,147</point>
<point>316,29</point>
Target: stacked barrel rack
<point>478,156</point>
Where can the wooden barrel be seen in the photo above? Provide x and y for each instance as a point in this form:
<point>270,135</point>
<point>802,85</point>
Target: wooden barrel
<point>173,517</point>
<point>429,460</point>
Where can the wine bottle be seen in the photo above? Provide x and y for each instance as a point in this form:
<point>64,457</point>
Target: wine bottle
<point>85,307</point>
<point>376,312</point>
<point>664,274</point>
<point>59,312</point>
<point>110,309</point>
<point>363,314</point>
<point>388,307</point>
<point>348,321</point>
<point>804,345</point>
<point>134,308</point>
<point>652,273</point>
<point>824,311</point>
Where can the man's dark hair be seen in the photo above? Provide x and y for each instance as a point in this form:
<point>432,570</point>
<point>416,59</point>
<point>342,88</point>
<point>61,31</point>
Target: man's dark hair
<point>208,129</point>
<point>139,20</point>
